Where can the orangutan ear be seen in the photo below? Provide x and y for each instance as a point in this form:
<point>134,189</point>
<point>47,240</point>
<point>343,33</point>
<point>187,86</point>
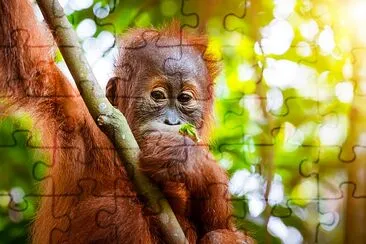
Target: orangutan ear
<point>111,90</point>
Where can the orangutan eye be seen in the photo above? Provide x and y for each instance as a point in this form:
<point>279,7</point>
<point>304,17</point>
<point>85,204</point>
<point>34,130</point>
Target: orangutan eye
<point>185,97</point>
<point>158,94</point>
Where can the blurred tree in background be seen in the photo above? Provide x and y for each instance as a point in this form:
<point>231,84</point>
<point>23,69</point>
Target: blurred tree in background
<point>289,111</point>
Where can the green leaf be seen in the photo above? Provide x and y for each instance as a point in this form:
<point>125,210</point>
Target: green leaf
<point>190,131</point>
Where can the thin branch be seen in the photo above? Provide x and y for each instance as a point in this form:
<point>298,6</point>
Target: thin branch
<point>111,120</point>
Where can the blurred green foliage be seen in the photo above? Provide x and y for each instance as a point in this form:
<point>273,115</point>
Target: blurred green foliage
<point>16,167</point>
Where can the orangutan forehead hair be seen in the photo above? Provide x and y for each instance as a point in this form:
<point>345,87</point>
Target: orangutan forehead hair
<point>171,35</point>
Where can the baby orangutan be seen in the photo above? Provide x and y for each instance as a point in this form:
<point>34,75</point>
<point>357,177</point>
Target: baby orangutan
<point>163,79</point>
